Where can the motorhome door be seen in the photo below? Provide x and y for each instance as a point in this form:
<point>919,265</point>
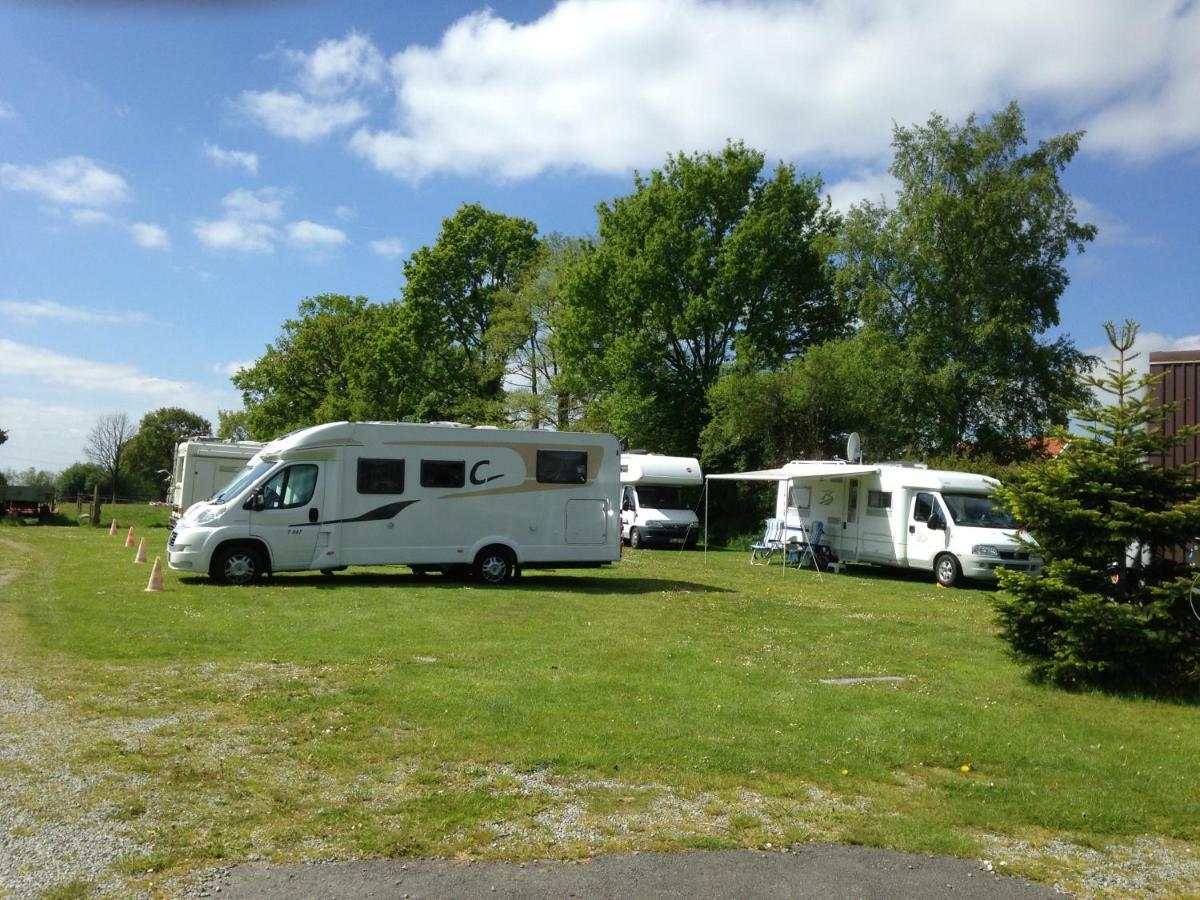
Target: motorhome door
<point>923,543</point>
<point>289,519</point>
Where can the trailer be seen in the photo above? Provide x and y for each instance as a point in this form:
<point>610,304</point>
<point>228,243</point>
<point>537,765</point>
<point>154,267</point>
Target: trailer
<point>659,498</point>
<point>486,501</point>
<point>904,515</point>
<point>203,466</point>
<point>26,501</point>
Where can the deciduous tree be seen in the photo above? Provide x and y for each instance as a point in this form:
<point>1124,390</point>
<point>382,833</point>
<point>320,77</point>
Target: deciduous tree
<point>707,261</point>
<point>151,453</point>
<point>106,445</point>
<point>965,272</point>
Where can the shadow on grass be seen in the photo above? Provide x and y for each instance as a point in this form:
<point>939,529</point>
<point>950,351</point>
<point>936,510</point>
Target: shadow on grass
<point>548,580</point>
<point>915,576</point>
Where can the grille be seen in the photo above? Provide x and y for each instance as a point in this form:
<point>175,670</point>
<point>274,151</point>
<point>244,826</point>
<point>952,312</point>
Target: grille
<point>1014,554</point>
<point>171,541</point>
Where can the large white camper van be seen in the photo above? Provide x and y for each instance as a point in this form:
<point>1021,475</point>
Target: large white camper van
<point>202,467</point>
<point>427,496</point>
<point>900,514</point>
<point>658,499</point>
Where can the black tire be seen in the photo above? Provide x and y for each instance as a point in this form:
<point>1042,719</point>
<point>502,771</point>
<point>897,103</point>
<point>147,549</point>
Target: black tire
<point>240,564</point>
<point>946,570</point>
<point>495,565</point>
<point>635,538</point>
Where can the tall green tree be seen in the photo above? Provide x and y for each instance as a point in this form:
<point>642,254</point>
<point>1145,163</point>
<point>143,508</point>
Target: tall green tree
<point>151,453</point>
<point>523,329</point>
<point>1111,609</point>
<point>965,272</point>
<point>451,293</point>
<point>707,261</point>
<point>79,479</point>
<point>313,372</point>
<point>233,425</point>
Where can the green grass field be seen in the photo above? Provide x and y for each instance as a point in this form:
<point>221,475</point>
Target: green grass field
<point>664,702</point>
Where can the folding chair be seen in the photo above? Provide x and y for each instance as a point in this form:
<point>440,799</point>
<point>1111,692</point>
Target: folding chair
<point>771,542</point>
<point>809,548</point>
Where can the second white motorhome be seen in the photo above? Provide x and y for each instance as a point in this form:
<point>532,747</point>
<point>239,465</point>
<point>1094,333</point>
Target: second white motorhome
<point>658,499</point>
<point>900,514</point>
<point>202,467</point>
<point>486,500</point>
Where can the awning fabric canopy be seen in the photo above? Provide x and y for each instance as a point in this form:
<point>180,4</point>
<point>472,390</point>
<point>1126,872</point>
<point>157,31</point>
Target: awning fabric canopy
<point>817,471</point>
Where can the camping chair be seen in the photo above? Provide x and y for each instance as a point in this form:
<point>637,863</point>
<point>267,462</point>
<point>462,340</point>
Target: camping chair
<point>808,548</point>
<point>772,540</point>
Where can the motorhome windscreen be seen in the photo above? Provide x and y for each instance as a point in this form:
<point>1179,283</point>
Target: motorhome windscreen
<point>657,496</point>
<point>243,480</point>
<point>977,511</point>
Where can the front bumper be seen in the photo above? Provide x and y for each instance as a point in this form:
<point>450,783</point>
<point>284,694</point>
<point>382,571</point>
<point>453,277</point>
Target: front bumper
<point>984,568</point>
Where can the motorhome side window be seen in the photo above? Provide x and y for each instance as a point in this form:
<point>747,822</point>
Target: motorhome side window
<point>381,476</point>
<point>879,499</point>
<point>290,487</point>
<point>923,507</point>
<point>800,496</point>
<point>443,473</point>
<point>562,466</point>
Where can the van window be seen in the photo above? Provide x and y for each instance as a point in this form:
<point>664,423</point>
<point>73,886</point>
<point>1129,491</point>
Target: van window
<point>800,496</point>
<point>879,499</point>
<point>443,473</point>
<point>381,476</point>
<point>290,487</point>
<point>923,507</point>
<point>562,466</point>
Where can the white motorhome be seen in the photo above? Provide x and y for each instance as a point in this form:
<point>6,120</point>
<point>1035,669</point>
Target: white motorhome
<point>658,499</point>
<point>430,497</point>
<point>900,514</point>
<point>202,467</point>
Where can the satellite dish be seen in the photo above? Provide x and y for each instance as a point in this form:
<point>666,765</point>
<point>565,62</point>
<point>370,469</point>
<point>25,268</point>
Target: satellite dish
<point>854,448</point>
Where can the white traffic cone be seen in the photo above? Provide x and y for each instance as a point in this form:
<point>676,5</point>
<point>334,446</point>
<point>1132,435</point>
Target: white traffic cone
<point>155,582</point>
<point>141,552</point>
<point>129,537</point>
<point>112,529</point>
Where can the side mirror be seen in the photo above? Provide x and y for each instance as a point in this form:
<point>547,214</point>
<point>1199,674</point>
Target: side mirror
<point>255,501</point>
<point>935,523</point>
<point>626,506</point>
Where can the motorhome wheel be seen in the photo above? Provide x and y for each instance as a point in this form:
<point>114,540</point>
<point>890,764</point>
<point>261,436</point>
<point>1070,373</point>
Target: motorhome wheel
<point>947,570</point>
<point>237,565</point>
<point>635,538</point>
<point>494,565</point>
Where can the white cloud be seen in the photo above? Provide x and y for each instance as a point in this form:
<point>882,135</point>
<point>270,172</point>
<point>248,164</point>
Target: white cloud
<point>390,248</point>
<point>49,367</point>
<point>864,185</point>
<point>153,237</point>
<point>33,311</point>
<point>7,111</point>
<point>233,234</point>
<point>346,213</point>
<point>339,66</point>
<point>1147,342</point>
<point>313,235</point>
<point>91,217</point>
<point>263,205</point>
<point>239,158</point>
<point>607,85</point>
<point>295,116</point>
<point>1110,228</point>
<point>71,181</point>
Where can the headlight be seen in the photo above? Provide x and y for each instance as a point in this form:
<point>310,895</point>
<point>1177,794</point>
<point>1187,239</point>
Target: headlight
<point>985,550</point>
<point>203,516</point>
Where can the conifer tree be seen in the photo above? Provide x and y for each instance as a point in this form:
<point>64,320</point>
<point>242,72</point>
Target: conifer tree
<point>1112,607</point>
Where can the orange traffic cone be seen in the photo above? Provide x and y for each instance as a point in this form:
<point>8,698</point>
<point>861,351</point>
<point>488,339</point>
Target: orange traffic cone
<point>129,537</point>
<point>141,552</point>
<point>112,529</point>
<point>155,582</point>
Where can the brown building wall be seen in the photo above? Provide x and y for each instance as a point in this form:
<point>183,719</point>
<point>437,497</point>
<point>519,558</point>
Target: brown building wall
<point>1180,385</point>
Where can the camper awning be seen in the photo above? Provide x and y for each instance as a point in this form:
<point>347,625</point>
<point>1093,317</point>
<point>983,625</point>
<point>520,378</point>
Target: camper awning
<point>799,471</point>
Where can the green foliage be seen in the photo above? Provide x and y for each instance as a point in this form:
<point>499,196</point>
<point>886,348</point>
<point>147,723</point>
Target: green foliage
<point>707,261</point>
<point>151,452</point>
<point>233,425</point>
<point>451,294</point>
<point>314,372</point>
<point>1099,616</point>
<point>80,479</point>
<point>32,476</point>
<point>965,274</point>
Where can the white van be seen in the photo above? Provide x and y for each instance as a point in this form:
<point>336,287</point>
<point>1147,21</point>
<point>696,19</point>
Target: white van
<point>658,499</point>
<point>202,467</point>
<point>344,494</point>
<point>900,514</point>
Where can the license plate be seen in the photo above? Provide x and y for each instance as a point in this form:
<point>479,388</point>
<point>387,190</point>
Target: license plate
<point>676,540</point>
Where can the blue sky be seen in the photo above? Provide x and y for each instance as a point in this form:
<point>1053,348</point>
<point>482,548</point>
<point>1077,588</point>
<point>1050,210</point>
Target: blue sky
<point>174,179</point>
